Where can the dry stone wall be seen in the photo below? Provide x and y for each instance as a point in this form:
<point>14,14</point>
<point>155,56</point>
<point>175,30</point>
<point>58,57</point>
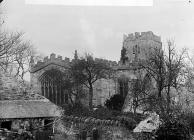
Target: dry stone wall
<point>72,127</point>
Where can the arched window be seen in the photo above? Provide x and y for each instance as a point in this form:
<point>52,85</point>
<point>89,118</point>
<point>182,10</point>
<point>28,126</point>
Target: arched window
<point>52,86</point>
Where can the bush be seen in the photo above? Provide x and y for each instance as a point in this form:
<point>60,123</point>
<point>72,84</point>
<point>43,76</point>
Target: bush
<point>115,102</point>
<point>190,119</point>
<point>76,110</point>
<point>129,123</point>
<point>173,128</point>
<point>102,113</point>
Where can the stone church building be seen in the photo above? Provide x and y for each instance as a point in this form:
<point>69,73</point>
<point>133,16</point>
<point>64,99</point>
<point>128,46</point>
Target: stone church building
<point>46,75</point>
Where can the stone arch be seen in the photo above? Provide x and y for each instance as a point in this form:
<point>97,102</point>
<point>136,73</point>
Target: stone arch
<point>51,82</point>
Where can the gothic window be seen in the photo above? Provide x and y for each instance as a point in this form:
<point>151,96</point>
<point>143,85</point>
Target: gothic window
<point>52,86</point>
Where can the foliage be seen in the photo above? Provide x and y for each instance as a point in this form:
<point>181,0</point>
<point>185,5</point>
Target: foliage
<point>115,102</point>
<point>76,109</point>
<point>75,90</point>
<point>189,117</point>
<point>173,128</point>
<point>80,111</point>
<point>128,122</point>
<point>26,135</point>
<point>102,113</point>
<point>144,136</point>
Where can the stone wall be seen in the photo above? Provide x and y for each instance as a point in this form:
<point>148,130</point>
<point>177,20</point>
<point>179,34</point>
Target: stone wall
<point>72,127</point>
<point>10,86</point>
<point>103,90</point>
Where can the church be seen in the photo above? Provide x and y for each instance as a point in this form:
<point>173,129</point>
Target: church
<point>45,76</point>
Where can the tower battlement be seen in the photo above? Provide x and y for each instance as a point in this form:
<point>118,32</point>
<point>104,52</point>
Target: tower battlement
<point>142,36</point>
<point>64,62</point>
<point>48,60</point>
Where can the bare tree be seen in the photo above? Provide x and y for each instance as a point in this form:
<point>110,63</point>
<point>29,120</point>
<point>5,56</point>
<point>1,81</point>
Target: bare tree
<point>174,64</point>
<point>141,92</point>
<point>74,88</point>
<point>87,70</point>
<point>15,54</point>
<point>165,69</point>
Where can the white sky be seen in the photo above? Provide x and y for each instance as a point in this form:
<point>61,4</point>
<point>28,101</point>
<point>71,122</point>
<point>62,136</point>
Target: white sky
<point>94,2</point>
<point>98,29</point>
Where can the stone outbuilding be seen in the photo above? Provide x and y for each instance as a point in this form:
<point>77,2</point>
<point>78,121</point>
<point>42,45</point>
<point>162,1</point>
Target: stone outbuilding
<point>17,115</point>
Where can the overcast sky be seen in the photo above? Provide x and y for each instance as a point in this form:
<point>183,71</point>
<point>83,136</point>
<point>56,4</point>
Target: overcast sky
<point>98,29</point>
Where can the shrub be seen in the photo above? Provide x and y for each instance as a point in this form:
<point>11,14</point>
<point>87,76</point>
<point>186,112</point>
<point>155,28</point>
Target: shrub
<point>76,110</point>
<point>173,128</point>
<point>115,102</point>
<point>102,113</point>
<point>189,116</point>
<point>129,123</point>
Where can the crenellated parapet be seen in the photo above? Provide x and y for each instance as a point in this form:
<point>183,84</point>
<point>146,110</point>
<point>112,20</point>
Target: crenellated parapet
<point>142,36</point>
<point>63,62</point>
<point>50,60</point>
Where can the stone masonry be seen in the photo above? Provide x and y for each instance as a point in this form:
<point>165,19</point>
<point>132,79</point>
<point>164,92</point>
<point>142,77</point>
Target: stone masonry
<point>139,45</point>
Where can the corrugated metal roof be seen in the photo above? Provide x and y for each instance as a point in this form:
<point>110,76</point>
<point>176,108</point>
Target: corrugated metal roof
<point>28,109</point>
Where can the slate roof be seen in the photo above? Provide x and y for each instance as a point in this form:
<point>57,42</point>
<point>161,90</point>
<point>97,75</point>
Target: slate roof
<point>7,94</point>
<point>28,109</point>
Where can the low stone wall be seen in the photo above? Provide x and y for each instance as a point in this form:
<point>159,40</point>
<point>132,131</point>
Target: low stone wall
<point>71,127</point>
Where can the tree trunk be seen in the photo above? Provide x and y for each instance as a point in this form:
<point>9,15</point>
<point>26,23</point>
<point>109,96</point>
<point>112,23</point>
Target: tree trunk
<point>160,99</point>
<point>168,99</point>
<point>91,97</point>
<point>169,77</point>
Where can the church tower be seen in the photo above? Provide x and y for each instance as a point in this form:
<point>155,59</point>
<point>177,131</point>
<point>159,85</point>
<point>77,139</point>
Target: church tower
<point>138,46</point>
